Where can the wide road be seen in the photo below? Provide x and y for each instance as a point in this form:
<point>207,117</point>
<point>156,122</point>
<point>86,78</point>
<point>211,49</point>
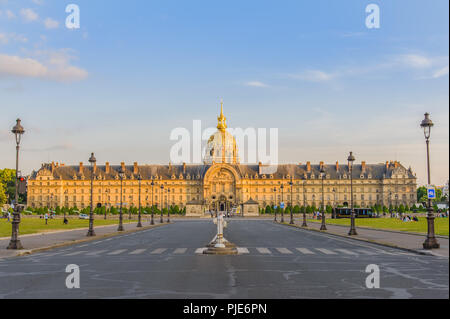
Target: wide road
<point>276,261</point>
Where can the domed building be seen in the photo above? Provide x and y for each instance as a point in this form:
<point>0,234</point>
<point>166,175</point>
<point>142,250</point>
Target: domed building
<point>221,146</point>
<point>221,183</point>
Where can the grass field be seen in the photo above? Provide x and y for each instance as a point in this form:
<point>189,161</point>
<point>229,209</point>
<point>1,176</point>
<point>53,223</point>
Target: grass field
<point>441,224</point>
<point>36,225</point>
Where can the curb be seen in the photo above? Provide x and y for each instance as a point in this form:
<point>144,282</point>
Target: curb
<point>57,231</point>
<point>391,231</point>
<point>79,241</point>
<point>419,252</point>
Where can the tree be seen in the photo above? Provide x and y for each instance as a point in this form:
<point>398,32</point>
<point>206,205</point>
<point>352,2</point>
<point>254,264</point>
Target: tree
<point>2,195</point>
<point>329,209</point>
<point>422,194</point>
<point>296,209</point>
<point>268,210</point>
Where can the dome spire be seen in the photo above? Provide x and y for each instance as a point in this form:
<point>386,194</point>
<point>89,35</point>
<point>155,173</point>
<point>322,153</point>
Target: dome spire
<point>222,120</point>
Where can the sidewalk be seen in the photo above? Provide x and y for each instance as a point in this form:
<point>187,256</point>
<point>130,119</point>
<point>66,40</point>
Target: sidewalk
<point>408,241</point>
<point>43,241</point>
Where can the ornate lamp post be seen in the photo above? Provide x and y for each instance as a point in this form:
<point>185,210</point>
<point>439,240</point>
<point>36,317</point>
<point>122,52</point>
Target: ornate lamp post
<point>152,222</point>
<point>304,224</point>
<point>431,241</point>
<point>121,176</point>
<point>162,204</point>
<point>15,243</point>
<point>322,175</point>
<point>91,232</point>
<point>139,178</point>
<point>333,214</point>
<point>168,208</point>
<point>292,208</point>
<point>350,160</point>
<point>282,209</point>
<point>275,192</point>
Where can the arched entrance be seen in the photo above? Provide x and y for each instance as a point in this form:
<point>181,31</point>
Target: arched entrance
<point>220,188</point>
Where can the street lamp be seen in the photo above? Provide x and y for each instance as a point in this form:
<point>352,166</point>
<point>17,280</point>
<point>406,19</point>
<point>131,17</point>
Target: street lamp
<point>350,160</point>
<point>121,176</point>
<point>162,204</point>
<point>168,208</point>
<point>292,213</point>
<point>139,178</point>
<point>15,243</point>
<point>91,232</point>
<point>431,241</point>
<point>322,175</point>
<point>275,192</point>
<point>304,224</point>
<point>153,208</point>
<point>282,212</point>
<point>333,215</point>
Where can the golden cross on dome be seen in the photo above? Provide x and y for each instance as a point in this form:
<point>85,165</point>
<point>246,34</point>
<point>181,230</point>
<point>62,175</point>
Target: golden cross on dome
<point>222,120</point>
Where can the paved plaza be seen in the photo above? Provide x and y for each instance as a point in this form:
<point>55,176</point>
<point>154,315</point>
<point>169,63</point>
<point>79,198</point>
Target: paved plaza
<point>274,261</point>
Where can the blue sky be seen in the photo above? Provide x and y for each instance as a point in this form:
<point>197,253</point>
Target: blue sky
<point>136,70</point>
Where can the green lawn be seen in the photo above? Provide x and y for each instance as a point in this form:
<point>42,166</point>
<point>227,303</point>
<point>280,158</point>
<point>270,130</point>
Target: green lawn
<point>36,225</point>
<point>441,224</point>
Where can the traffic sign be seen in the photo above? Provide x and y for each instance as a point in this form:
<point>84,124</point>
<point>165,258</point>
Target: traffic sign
<point>282,205</point>
<point>275,207</point>
<point>431,193</point>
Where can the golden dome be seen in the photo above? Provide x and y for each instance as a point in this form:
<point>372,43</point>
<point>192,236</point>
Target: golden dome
<point>221,146</point>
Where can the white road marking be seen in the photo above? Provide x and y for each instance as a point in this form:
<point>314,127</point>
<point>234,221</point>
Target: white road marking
<point>263,250</point>
<point>284,250</point>
<point>200,250</point>
<point>346,251</point>
<point>242,250</point>
<point>180,251</point>
<point>305,251</point>
<point>138,251</point>
<point>76,253</point>
<point>94,253</point>
<point>367,252</point>
<point>117,252</point>
<point>326,251</point>
<point>159,251</point>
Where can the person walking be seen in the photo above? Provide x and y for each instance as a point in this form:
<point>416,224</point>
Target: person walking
<point>46,218</point>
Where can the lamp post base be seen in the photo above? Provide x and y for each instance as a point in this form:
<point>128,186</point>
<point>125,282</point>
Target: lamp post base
<point>431,243</point>
<point>323,227</point>
<point>120,228</point>
<point>352,232</point>
<point>15,244</point>
<point>139,224</point>
<point>291,222</point>
<point>90,233</point>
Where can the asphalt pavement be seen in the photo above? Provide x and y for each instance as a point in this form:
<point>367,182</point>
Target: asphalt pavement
<point>275,261</point>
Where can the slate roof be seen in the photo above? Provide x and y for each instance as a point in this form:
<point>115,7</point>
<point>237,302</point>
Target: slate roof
<point>197,172</point>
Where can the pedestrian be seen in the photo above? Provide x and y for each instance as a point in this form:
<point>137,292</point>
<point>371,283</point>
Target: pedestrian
<point>9,216</point>
<point>46,218</point>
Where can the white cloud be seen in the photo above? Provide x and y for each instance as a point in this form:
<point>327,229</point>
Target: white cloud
<point>313,76</point>
<point>29,15</point>
<point>56,66</point>
<point>441,72</point>
<point>415,61</point>
<point>10,14</point>
<point>25,67</point>
<point>5,38</point>
<point>38,2</point>
<point>256,84</point>
<point>51,24</point>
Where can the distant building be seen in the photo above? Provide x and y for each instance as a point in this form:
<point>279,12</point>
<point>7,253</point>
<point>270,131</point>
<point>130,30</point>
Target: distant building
<point>222,183</point>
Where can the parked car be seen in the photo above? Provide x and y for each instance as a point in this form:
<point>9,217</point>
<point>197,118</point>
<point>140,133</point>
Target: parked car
<point>83,216</point>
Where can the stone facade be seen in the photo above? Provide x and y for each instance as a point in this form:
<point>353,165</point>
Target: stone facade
<point>222,183</point>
